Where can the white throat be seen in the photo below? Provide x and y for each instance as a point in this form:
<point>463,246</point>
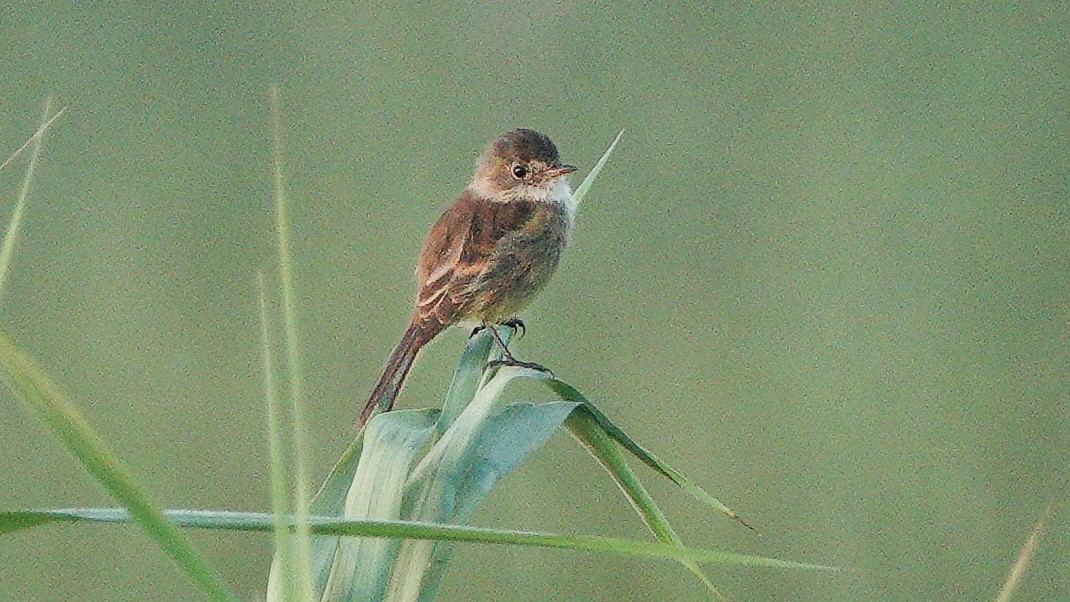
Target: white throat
<point>559,193</point>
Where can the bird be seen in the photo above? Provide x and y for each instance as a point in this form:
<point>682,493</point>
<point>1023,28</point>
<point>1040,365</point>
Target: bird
<point>488,254</point>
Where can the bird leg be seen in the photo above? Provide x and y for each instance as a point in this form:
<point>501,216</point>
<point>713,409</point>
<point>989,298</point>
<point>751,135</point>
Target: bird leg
<point>507,358</point>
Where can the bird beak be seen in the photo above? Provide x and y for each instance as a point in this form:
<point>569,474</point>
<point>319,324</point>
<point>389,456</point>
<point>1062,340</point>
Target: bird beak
<point>560,170</point>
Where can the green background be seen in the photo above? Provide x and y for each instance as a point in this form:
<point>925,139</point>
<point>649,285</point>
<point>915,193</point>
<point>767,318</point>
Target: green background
<point>825,274</point>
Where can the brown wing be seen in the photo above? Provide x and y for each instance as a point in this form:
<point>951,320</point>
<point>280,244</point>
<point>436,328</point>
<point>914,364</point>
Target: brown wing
<point>460,249</point>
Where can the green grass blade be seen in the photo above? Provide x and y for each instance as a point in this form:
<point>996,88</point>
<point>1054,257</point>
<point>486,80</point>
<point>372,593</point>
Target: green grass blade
<point>438,488</point>
<point>303,548</point>
<point>330,500</point>
<point>393,442</point>
<point>32,139</point>
<point>7,249</point>
<point>20,520</point>
<point>588,181</point>
<point>589,432</point>
<point>508,440</point>
<point>451,448</point>
<point>466,378</point>
<point>253,521</point>
<point>568,393</point>
<point>281,579</point>
<point>44,399</point>
<point>450,496</point>
<point>1030,546</point>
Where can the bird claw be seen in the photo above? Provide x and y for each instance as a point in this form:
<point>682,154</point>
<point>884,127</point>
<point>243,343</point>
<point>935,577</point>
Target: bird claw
<point>517,325</point>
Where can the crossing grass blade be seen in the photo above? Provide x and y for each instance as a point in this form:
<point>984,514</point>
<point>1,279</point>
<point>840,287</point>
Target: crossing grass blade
<point>45,400</point>
<point>283,584</point>
<point>7,248</point>
<point>258,522</point>
<point>33,139</point>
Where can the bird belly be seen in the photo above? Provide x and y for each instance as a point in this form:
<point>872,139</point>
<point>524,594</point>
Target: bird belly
<point>513,285</point>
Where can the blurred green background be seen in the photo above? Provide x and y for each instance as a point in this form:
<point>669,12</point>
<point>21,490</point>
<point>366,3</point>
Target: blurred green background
<point>825,274</point>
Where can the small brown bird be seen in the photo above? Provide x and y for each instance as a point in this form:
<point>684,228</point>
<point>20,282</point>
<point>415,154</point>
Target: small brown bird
<point>490,253</point>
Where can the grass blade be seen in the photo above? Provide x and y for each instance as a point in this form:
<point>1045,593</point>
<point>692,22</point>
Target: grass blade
<point>328,501</point>
<point>36,135</point>
<point>44,399</point>
<point>569,393</point>
<point>293,361</point>
<point>588,181</point>
<point>280,502</point>
<point>452,491</point>
<point>1015,576</point>
<point>7,249</point>
<point>393,442</point>
<point>254,521</point>
<point>589,432</point>
<point>466,378</point>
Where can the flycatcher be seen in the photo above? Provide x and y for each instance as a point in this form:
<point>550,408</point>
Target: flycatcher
<point>490,252</point>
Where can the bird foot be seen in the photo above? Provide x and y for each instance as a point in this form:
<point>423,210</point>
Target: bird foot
<point>517,325</point>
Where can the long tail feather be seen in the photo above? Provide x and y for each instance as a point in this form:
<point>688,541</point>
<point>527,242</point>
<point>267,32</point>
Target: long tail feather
<point>395,371</point>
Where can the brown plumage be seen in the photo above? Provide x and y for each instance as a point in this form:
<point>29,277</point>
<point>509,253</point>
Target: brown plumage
<point>488,254</point>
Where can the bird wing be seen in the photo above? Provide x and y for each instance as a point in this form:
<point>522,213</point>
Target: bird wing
<point>463,246</point>
<point>445,267</point>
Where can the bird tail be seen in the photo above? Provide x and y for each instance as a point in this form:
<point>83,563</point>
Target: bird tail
<point>395,371</point>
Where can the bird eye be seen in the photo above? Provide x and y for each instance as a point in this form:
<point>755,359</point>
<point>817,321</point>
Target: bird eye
<point>520,171</point>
